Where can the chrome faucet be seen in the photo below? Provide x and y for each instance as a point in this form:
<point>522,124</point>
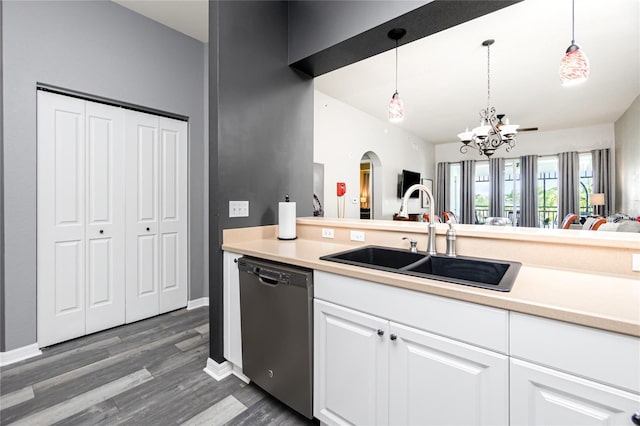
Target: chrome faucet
<point>431,242</point>
<point>413,243</point>
<point>451,240</point>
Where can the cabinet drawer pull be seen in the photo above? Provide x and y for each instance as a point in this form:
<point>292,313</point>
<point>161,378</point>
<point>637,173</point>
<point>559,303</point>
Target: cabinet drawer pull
<point>393,337</point>
<point>635,418</point>
<point>380,332</point>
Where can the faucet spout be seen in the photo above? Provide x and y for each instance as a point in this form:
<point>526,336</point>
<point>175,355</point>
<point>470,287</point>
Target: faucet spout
<point>431,243</point>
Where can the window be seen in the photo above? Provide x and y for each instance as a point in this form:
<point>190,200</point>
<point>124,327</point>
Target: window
<point>482,191</point>
<point>586,183</point>
<point>548,192</point>
<point>454,193</point>
<point>512,189</point>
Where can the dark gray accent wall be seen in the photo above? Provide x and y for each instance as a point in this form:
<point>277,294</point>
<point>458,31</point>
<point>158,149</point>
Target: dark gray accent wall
<point>98,48</point>
<point>316,46</point>
<point>261,128</point>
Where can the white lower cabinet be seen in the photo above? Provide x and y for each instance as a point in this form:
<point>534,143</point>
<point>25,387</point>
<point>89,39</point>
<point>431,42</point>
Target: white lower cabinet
<point>351,366</point>
<point>232,336</point>
<point>546,397</point>
<point>567,374</point>
<point>372,371</point>
<point>438,381</point>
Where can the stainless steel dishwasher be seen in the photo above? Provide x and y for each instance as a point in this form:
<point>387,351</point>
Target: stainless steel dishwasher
<point>276,312</point>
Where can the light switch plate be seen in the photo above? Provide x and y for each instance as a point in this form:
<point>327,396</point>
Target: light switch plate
<point>635,262</point>
<point>238,209</point>
<point>357,235</point>
<point>327,232</point>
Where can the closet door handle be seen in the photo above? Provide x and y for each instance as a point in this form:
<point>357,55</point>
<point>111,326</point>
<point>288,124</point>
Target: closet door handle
<point>148,229</point>
<point>102,231</point>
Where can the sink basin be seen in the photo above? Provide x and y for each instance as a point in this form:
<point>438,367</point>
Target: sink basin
<point>485,273</point>
<point>376,257</point>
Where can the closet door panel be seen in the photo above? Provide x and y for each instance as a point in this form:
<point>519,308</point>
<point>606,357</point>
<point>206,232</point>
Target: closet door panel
<point>173,214</point>
<point>105,229</point>
<point>61,218</point>
<point>142,205</point>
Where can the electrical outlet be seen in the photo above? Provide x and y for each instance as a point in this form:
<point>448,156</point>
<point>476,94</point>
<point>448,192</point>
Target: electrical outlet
<point>327,233</point>
<point>238,209</point>
<point>635,262</point>
<point>357,235</point>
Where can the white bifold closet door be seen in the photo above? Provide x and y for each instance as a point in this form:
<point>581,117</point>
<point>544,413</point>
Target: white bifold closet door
<point>156,209</point>
<point>112,216</point>
<point>81,218</point>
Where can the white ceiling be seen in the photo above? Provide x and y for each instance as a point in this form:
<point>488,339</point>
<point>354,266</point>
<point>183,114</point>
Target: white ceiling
<point>443,78</point>
<point>190,17</point>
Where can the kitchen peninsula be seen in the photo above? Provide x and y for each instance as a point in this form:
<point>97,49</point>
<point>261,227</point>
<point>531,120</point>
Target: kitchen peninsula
<point>562,345</point>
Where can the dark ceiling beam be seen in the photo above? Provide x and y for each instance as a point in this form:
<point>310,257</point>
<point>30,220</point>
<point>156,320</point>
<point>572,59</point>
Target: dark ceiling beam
<point>421,22</point>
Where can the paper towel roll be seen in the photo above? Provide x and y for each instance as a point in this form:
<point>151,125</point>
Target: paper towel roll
<point>287,221</point>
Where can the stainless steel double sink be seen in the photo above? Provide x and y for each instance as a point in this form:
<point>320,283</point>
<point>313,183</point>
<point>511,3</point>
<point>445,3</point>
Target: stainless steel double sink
<point>491,274</point>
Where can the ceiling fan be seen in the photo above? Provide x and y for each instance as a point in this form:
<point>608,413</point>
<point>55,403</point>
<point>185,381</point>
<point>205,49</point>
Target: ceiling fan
<point>522,129</point>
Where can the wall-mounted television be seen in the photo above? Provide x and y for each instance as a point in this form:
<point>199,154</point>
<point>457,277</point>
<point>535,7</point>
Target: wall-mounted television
<point>405,180</point>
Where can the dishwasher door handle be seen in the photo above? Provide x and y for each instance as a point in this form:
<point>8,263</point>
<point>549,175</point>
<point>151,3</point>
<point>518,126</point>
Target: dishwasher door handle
<point>264,278</point>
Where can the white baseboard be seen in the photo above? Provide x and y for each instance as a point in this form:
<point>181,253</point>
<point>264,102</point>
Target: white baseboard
<point>19,354</point>
<point>237,371</point>
<point>197,303</point>
<point>218,371</point>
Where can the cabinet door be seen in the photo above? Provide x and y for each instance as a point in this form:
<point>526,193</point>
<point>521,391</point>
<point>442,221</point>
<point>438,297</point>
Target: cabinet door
<point>232,330</point>
<point>172,226</point>
<point>61,218</point>
<point>546,397</point>
<point>350,366</point>
<point>105,228</point>
<point>438,381</point>
<point>142,244</point>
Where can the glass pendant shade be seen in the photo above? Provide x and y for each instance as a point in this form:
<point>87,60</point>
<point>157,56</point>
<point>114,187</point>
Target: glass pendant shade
<point>574,67</point>
<point>396,109</point>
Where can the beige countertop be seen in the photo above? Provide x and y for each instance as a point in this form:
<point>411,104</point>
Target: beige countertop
<point>604,301</point>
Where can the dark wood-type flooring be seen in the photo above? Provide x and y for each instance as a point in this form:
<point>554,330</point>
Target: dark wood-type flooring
<point>145,373</point>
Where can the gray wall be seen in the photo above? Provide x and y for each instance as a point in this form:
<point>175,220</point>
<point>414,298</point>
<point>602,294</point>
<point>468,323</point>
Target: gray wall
<point>1,200</point>
<point>99,48</point>
<point>627,159</point>
<point>261,128</point>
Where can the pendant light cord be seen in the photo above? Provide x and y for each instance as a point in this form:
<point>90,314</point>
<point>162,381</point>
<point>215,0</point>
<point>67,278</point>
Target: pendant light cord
<point>573,22</point>
<point>396,66</point>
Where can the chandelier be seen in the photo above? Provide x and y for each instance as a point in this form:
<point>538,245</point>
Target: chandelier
<point>494,130</point>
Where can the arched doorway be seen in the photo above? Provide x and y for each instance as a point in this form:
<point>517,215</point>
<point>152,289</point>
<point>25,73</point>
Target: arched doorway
<point>370,186</point>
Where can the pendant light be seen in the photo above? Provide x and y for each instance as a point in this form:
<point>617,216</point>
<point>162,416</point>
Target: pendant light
<point>574,67</point>
<point>396,109</point>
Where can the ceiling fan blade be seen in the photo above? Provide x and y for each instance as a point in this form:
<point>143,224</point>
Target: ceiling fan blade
<point>528,129</point>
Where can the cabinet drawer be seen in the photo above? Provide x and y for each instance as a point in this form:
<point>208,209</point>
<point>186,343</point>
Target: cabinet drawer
<point>467,322</point>
<point>597,354</point>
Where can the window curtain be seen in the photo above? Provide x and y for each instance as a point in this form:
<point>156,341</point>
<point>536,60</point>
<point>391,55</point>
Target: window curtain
<point>568,184</point>
<point>602,177</point>
<point>529,191</point>
<point>496,187</point>
<point>467,203</point>
<point>443,192</point>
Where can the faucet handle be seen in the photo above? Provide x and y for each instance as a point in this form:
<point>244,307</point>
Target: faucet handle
<point>413,243</point>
